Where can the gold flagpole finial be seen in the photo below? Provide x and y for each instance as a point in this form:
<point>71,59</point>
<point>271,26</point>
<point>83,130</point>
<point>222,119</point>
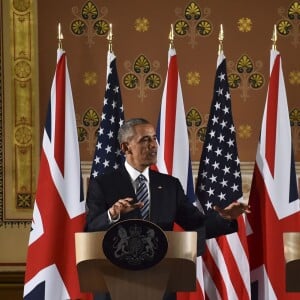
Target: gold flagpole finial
<point>59,36</point>
<point>110,38</point>
<point>171,37</point>
<point>221,38</point>
<point>274,38</point>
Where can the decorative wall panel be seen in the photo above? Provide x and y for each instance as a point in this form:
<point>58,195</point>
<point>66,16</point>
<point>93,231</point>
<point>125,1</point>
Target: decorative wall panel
<point>20,111</point>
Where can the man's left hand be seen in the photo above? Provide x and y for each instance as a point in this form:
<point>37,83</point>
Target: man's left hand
<point>233,210</point>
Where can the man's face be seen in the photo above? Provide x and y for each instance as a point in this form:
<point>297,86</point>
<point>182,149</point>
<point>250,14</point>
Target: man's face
<point>141,150</point>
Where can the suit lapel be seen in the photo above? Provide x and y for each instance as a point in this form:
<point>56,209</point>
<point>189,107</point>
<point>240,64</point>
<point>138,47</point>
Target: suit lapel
<point>125,182</point>
<point>156,188</point>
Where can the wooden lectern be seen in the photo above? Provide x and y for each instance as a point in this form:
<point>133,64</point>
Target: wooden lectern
<point>175,272</point>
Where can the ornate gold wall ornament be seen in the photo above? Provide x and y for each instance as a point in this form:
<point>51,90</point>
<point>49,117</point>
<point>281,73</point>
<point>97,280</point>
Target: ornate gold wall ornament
<point>142,75</point>
<point>196,125</point>
<point>193,78</point>
<point>244,24</point>
<point>21,5</point>
<point>88,131</point>
<point>90,78</point>
<point>22,69</point>
<point>24,200</point>
<point>294,77</point>
<point>245,75</point>
<point>21,111</point>
<point>191,23</point>
<point>23,135</point>
<point>88,23</point>
<point>295,117</point>
<point>244,131</point>
<point>141,24</point>
<point>295,126</point>
<point>289,23</point>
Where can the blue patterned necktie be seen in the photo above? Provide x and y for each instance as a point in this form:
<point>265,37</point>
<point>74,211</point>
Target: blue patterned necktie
<point>143,195</point>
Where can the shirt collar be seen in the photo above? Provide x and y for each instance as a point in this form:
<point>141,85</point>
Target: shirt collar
<point>135,173</point>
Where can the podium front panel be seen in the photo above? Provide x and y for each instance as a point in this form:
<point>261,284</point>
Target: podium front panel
<point>179,263</point>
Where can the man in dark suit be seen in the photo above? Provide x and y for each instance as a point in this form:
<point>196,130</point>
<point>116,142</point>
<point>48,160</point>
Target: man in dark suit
<point>112,197</point>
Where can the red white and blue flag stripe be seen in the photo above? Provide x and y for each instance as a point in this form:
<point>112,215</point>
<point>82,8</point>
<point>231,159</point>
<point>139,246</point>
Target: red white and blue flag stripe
<point>173,156</point>
<point>273,197</point>
<point>219,182</point>
<point>59,209</point>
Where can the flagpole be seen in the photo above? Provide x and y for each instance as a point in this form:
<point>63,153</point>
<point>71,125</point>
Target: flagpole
<point>60,36</point>
<point>274,38</point>
<point>110,38</point>
<point>171,37</point>
<point>221,38</point>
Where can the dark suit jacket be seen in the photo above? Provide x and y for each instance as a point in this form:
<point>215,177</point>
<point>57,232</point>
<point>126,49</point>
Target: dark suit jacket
<point>169,205</point>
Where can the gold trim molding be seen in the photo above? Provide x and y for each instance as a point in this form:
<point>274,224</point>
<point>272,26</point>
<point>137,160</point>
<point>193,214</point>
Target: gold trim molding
<point>20,110</point>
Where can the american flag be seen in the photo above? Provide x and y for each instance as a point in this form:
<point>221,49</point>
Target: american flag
<point>273,197</point>
<point>173,156</point>
<point>59,209</point>
<point>108,155</point>
<point>219,182</point>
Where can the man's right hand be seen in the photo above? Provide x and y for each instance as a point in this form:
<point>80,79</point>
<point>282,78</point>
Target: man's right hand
<point>123,206</point>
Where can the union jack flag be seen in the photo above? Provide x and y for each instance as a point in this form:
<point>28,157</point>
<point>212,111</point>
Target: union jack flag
<point>225,261</point>
<point>173,155</point>
<point>273,197</point>
<point>59,209</point>
<point>108,155</point>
